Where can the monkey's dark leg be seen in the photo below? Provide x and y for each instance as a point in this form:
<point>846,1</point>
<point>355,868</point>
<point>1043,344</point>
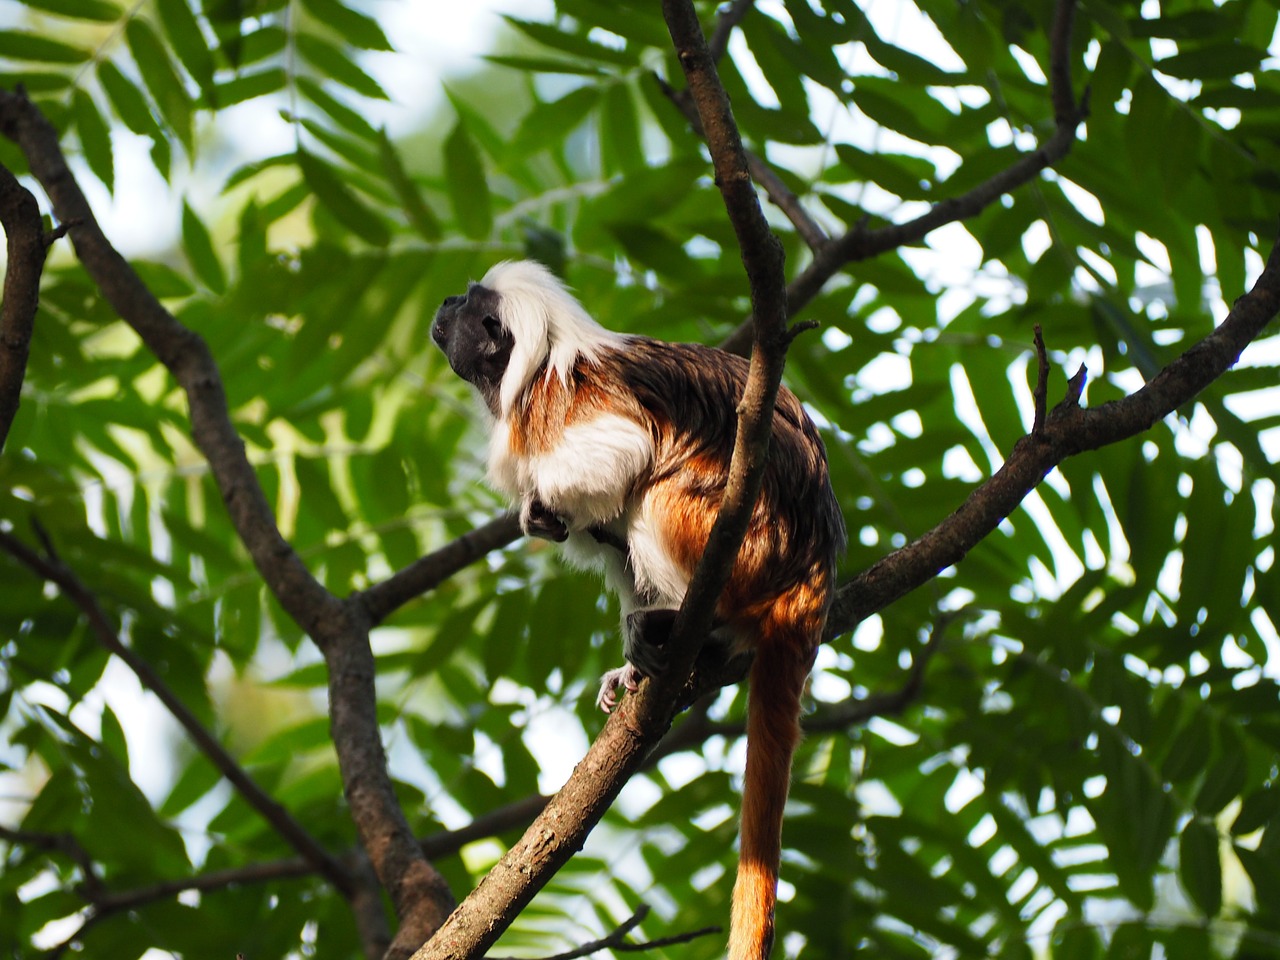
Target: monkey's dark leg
<point>644,640</point>
<point>537,520</point>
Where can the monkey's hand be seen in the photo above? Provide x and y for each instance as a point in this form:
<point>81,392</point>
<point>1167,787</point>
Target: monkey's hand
<point>624,676</point>
<point>537,520</point>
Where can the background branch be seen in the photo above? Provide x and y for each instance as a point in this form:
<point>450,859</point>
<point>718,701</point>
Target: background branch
<point>426,573</point>
<point>56,572</point>
<point>859,243</point>
<point>1069,430</point>
<point>420,894</point>
<point>24,233</point>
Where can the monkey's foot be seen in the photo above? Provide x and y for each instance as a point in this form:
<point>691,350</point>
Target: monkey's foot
<point>537,520</point>
<point>627,675</point>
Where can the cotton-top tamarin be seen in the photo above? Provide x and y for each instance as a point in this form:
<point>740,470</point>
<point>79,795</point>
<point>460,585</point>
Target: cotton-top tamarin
<point>619,446</point>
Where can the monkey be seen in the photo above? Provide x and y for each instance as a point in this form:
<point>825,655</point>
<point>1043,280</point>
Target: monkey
<point>618,446</point>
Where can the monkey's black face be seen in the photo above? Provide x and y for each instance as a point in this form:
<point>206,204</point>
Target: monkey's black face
<point>476,343</point>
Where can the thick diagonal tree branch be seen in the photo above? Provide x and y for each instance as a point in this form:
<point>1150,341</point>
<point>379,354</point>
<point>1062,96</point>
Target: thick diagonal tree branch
<point>636,728</point>
<point>20,216</point>
<point>340,628</point>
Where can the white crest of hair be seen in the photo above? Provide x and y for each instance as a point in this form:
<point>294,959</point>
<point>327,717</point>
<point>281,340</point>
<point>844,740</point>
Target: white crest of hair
<point>546,321</point>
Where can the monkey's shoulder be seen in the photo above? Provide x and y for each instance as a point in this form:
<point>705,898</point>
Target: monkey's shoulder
<point>693,385</point>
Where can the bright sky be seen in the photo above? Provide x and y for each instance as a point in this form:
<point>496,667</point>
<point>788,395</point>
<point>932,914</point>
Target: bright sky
<point>433,42</point>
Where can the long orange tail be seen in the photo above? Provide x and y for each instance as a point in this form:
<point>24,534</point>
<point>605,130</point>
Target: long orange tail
<point>783,657</point>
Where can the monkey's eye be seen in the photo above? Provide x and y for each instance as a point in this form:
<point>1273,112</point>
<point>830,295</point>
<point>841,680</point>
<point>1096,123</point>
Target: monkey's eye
<point>492,326</point>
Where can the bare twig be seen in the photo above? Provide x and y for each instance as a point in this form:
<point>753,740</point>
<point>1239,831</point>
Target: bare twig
<point>730,16</point>
<point>670,941</point>
<point>858,243</point>
<point>779,194</point>
<point>426,573</point>
<point>63,843</point>
<point>20,216</point>
<point>280,819</point>
<point>1042,383</point>
<point>614,941</point>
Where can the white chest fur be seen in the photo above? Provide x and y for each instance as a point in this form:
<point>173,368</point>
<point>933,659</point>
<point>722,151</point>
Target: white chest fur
<point>586,478</point>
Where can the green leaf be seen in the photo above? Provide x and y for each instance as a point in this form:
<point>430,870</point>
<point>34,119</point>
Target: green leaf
<point>267,41</point>
<point>620,144</point>
<point>468,186</point>
<point>911,178</point>
<point>1258,810</point>
<point>1226,777</point>
<point>249,86</point>
<point>199,248</point>
<point>127,100</point>
<point>17,45</point>
<point>638,24</point>
<point>352,120</point>
<point>161,79</point>
<point>353,27</point>
<point>337,66</point>
<point>95,138</point>
<point>349,210</point>
<point>113,737</point>
<point>1200,866</point>
<point>548,125</point>
<point>547,65</point>
<point>415,205</point>
<point>575,45</point>
<point>162,280</point>
<point>101,11</point>
<point>184,33</point>
<point>1190,751</point>
<point>1215,61</point>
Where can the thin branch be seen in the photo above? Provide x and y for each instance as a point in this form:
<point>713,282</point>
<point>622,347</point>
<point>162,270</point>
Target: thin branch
<point>512,816</point>
<point>730,16</point>
<point>612,942</point>
<point>615,941</point>
<point>858,243</point>
<point>1041,394</point>
<point>63,843</point>
<point>56,572</point>
<point>20,216</point>
<point>426,573</point>
<point>668,941</point>
<point>779,194</point>
<point>211,882</point>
